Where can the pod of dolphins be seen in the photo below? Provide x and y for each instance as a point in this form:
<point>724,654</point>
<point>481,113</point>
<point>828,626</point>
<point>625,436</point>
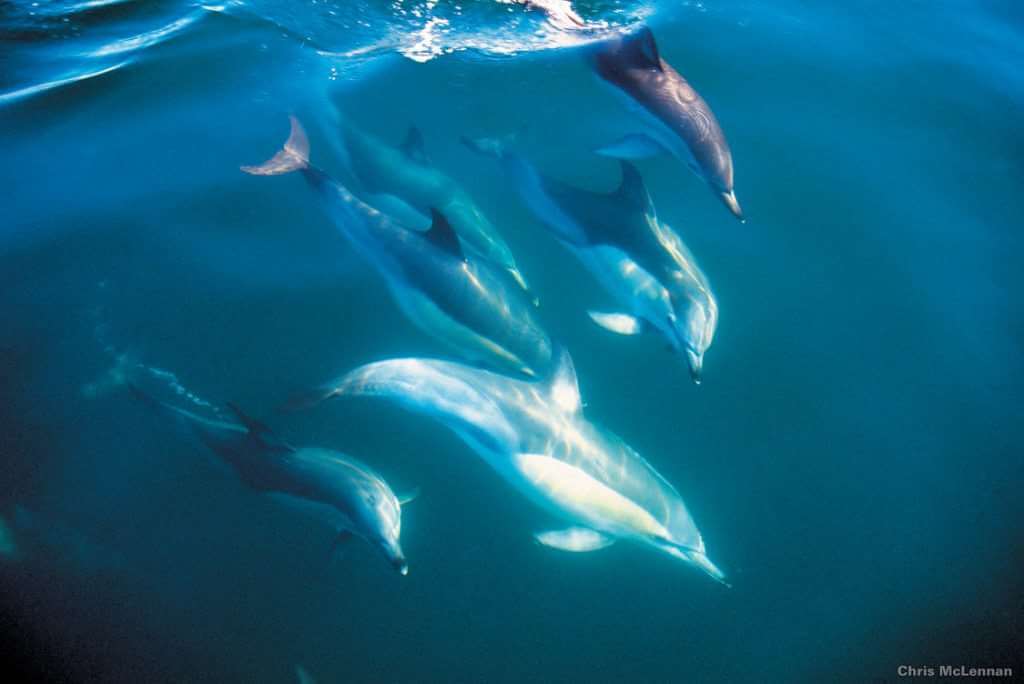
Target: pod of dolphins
<point>513,399</point>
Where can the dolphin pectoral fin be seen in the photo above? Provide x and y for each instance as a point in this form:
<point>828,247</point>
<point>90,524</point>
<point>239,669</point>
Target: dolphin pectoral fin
<point>574,539</point>
<point>339,539</point>
<point>408,496</point>
<point>619,323</point>
<point>632,146</point>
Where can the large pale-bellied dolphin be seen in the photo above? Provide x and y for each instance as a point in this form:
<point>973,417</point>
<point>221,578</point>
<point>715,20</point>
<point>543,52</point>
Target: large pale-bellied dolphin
<point>638,259</point>
<point>461,302</point>
<point>403,182</point>
<point>534,434</point>
<point>344,492</point>
<point>673,117</point>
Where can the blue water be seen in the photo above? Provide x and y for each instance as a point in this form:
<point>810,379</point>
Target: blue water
<point>853,457</point>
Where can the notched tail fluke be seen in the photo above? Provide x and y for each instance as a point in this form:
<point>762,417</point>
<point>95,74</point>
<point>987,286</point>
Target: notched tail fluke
<point>293,156</point>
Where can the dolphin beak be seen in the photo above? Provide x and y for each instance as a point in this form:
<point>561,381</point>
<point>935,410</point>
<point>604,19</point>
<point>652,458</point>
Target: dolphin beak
<point>710,569</point>
<point>696,363</point>
<point>400,565</point>
<point>734,206</point>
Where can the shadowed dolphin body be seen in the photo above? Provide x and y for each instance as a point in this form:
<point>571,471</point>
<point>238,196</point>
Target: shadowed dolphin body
<point>403,182</point>
<point>461,302</point>
<point>332,486</point>
<point>673,117</point>
<point>535,436</point>
<point>638,259</point>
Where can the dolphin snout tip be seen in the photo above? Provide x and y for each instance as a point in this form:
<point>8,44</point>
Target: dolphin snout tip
<point>733,204</point>
<point>401,566</point>
<point>695,362</point>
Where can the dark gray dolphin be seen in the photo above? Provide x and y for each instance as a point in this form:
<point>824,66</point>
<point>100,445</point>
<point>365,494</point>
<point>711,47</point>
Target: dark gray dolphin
<point>461,302</point>
<point>402,181</point>
<point>638,259</point>
<point>348,494</point>
<point>673,117</point>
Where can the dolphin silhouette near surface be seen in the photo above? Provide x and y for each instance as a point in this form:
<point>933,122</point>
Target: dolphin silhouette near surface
<point>636,257</point>
<point>461,302</point>
<point>534,434</point>
<point>671,116</point>
<point>403,181</point>
<point>334,487</point>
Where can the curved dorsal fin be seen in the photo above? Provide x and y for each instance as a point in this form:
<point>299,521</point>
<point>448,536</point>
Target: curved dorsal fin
<point>412,146</point>
<point>257,428</point>
<point>563,385</point>
<point>632,187</point>
<point>641,50</point>
<point>442,235</point>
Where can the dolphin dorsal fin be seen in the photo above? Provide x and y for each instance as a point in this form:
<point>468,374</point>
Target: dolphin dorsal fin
<point>442,235</point>
<point>412,146</point>
<point>632,187</point>
<point>257,428</point>
<point>642,51</point>
<point>563,386</point>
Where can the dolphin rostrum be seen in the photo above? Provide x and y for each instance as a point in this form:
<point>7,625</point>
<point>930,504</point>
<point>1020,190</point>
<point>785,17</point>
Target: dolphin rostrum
<point>673,117</point>
<point>403,182</point>
<point>535,436</point>
<point>334,487</point>
<point>638,259</point>
<point>461,302</point>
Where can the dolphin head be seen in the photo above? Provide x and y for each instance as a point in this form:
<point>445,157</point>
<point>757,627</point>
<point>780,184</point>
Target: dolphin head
<point>377,511</point>
<point>694,330</point>
<point>393,552</point>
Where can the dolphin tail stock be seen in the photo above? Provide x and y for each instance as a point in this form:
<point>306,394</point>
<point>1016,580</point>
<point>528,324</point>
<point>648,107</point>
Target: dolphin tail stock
<point>293,155</point>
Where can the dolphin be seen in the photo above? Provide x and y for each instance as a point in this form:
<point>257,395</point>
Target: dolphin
<point>673,117</point>
<point>332,486</point>
<point>534,434</point>
<point>403,182</point>
<point>460,302</point>
<point>618,237</point>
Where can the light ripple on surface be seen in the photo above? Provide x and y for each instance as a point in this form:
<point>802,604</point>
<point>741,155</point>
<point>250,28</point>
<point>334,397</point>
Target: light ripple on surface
<point>29,91</point>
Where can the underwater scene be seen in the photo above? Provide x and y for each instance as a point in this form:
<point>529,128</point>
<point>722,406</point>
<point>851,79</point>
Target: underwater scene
<point>511,341</point>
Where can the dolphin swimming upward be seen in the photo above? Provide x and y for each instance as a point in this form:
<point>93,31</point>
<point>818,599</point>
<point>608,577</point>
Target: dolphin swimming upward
<point>461,302</point>
<point>336,488</point>
<point>404,183</point>
<point>638,259</point>
<point>674,117</point>
<point>535,436</point>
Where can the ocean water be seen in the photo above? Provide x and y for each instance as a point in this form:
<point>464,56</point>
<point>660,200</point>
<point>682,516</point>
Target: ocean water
<point>854,457</point>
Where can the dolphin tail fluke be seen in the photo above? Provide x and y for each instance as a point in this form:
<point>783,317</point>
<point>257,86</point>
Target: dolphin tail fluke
<point>293,156</point>
<point>489,147</point>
